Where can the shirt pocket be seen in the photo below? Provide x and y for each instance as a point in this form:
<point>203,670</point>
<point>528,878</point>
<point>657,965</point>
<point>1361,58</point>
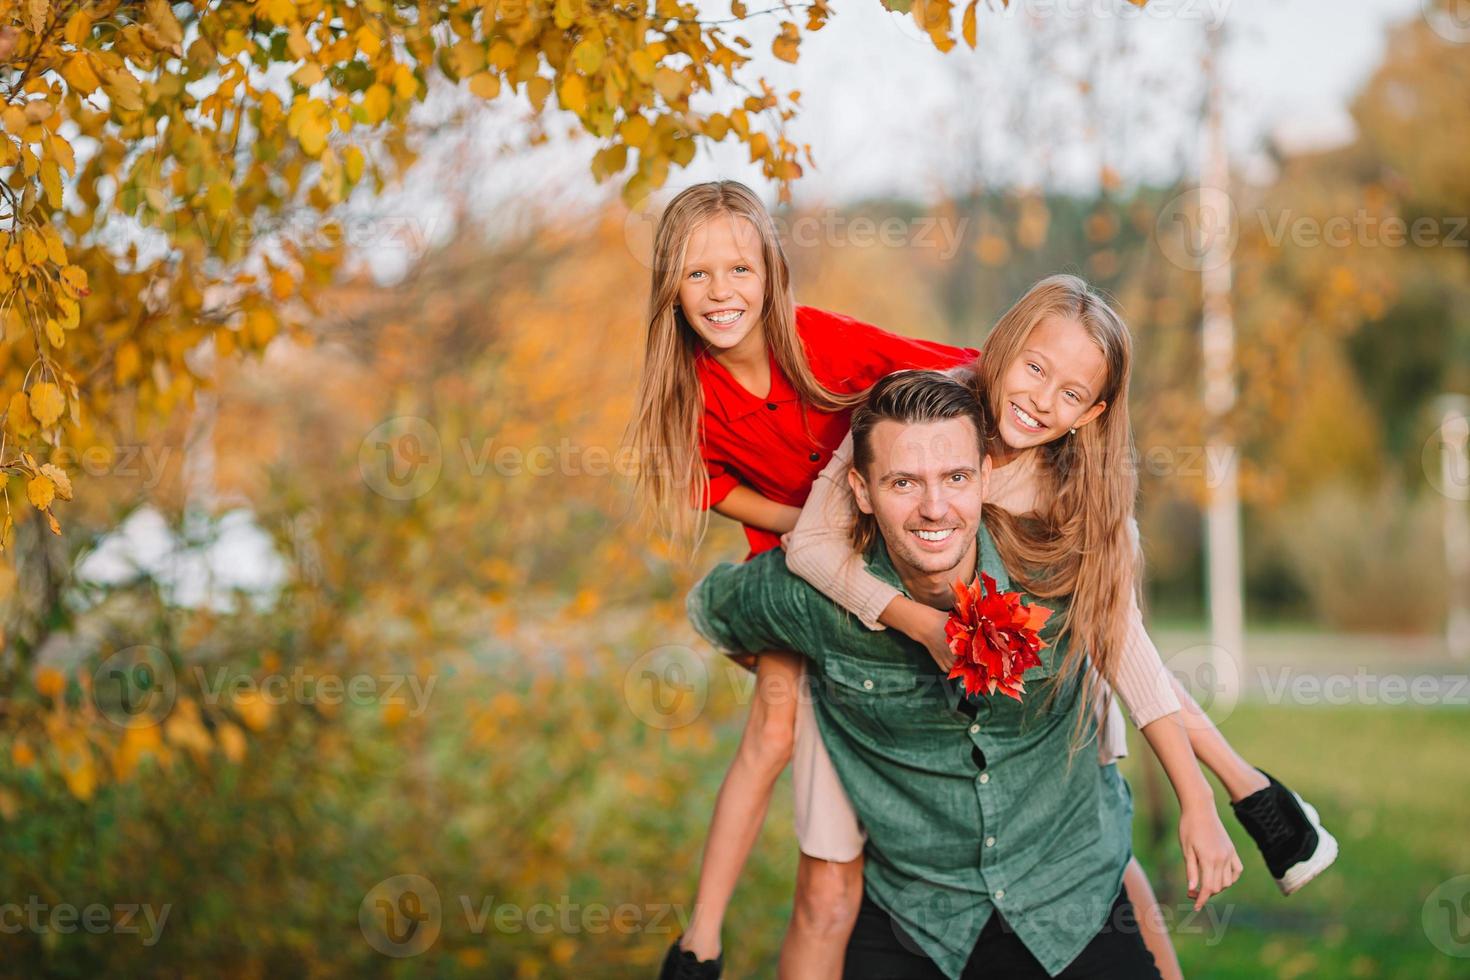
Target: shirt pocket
<point>871,695</point>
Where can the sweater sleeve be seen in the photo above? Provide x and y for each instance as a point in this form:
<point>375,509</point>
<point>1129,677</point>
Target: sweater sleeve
<point>1143,682</point>
<point>819,548</point>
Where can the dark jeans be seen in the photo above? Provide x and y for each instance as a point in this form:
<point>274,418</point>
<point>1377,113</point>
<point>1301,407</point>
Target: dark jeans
<point>1117,952</point>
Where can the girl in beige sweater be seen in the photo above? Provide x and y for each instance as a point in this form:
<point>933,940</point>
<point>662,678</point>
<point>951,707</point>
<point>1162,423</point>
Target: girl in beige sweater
<point>1054,433</point>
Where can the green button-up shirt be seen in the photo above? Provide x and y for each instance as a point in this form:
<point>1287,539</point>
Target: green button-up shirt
<point>965,815</point>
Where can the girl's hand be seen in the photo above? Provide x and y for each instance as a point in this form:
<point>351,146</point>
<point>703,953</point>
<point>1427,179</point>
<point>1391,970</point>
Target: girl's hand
<point>922,624</point>
<point>1210,862</point>
<point>930,632</point>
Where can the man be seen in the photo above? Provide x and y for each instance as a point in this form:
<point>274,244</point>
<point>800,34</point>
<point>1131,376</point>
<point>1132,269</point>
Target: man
<point>996,846</point>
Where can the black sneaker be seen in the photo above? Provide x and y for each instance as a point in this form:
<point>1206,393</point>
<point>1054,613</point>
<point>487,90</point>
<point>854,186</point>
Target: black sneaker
<point>1289,833</point>
<point>681,964</point>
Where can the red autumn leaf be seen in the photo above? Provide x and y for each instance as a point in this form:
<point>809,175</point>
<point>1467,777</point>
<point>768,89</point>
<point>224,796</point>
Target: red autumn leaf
<point>993,637</point>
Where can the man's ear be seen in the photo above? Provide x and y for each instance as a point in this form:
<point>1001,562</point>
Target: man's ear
<point>1090,415</point>
<point>985,468</point>
<point>859,490</point>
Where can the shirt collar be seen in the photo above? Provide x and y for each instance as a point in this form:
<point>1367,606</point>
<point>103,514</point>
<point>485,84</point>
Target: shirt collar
<point>728,398</point>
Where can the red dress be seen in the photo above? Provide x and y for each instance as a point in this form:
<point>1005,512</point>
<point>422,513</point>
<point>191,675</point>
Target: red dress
<point>761,442</point>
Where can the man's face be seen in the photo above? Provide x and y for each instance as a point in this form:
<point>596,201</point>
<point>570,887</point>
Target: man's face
<point>924,485</point>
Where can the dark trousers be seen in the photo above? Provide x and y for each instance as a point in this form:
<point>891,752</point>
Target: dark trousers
<point>875,951</point>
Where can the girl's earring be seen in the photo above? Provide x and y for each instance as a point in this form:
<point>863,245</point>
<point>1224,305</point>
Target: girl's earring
<point>1074,432</point>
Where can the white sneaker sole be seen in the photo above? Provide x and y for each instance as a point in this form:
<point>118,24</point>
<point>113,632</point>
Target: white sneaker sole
<point>1317,862</point>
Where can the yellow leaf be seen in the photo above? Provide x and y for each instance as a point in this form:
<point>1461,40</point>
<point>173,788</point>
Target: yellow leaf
<point>353,163</point>
<point>19,419</point>
<point>468,57</point>
<point>785,45</point>
<point>79,74</point>
<point>14,259</point>
<point>55,248</point>
<point>261,324</point>
<point>123,88</point>
<point>642,65</point>
<point>231,740</point>
<point>368,41</point>
<point>967,24</point>
<point>375,102</point>
<point>573,94</point>
<point>47,403</point>
<point>589,53</point>
<point>635,131</point>
<point>127,362</point>
<point>40,491</point>
<point>61,150</point>
<point>54,333</point>
<point>277,11</point>
<point>59,479</point>
<point>282,283</point>
<point>670,83</point>
<point>537,89</point>
<point>307,75</point>
<point>34,246</point>
<point>313,135</point>
<point>405,85</point>
<point>485,85</point>
<point>22,756</point>
<point>74,278</point>
<point>50,682</point>
<point>503,55</point>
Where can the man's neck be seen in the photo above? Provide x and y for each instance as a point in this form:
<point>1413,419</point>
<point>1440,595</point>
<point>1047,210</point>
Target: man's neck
<point>935,588</point>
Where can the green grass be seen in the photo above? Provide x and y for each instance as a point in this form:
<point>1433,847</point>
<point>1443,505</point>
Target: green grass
<point>1392,786</point>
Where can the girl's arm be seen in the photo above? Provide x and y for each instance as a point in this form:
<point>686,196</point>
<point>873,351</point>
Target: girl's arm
<point>1211,863</point>
<point>749,507</point>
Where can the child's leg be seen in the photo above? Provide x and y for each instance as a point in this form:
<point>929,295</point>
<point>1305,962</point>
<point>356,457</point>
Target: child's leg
<point>829,879</point>
<point>1150,922</point>
<point>1239,777</point>
<point>745,795</point>
<point>828,896</point>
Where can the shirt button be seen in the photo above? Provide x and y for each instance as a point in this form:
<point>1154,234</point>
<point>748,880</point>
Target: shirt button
<point>974,729</point>
<point>814,457</point>
<point>985,777</point>
<point>990,842</point>
<point>771,406</point>
<point>868,684</point>
<point>1000,893</point>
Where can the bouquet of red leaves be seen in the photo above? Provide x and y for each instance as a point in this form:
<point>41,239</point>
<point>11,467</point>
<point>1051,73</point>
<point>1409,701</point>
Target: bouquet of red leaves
<point>994,638</point>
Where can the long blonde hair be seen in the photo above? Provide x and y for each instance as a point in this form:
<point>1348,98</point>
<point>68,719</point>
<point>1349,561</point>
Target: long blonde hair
<point>666,431</point>
<point>1080,542</point>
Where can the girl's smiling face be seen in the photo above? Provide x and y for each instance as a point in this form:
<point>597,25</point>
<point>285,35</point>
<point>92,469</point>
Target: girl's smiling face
<point>722,285</point>
<point>1053,384</point>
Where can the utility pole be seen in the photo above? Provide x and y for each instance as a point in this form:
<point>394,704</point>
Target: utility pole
<point>1454,488</point>
<point>1217,336</point>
